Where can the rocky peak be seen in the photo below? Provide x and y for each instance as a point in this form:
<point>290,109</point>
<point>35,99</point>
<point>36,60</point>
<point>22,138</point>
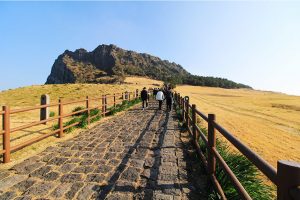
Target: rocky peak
<point>108,60</point>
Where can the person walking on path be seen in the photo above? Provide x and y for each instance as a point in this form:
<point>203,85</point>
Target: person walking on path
<point>149,94</point>
<point>144,97</point>
<point>160,97</point>
<point>154,92</point>
<point>169,99</point>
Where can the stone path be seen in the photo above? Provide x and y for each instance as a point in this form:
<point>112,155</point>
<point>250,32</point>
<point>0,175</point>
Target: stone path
<point>137,155</point>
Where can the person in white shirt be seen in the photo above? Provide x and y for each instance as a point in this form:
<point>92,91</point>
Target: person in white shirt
<point>160,97</point>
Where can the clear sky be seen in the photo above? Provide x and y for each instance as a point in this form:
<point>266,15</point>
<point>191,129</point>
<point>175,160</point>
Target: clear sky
<point>255,43</point>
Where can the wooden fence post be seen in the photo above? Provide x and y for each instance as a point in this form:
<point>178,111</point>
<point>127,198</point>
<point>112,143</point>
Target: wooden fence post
<point>114,100</point>
<point>183,108</point>
<point>6,135</point>
<point>44,112</point>
<point>137,93</point>
<point>88,110</point>
<point>123,96</point>
<point>60,119</point>
<point>187,108</point>
<point>211,144</point>
<point>105,101</point>
<point>194,122</point>
<point>103,105</point>
<point>128,96</point>
<point>288,178</point>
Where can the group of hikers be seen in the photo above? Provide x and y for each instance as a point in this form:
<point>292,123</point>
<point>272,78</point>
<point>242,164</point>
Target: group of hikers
<point>160,94</point>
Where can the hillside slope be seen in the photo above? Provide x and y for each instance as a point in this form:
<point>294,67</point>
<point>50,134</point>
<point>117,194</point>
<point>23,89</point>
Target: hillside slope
<point>268,122</point>
<point>110,64</point>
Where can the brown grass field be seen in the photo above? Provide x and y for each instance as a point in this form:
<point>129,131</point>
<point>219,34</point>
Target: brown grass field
<point>268,122</point>
<point>30,96</point>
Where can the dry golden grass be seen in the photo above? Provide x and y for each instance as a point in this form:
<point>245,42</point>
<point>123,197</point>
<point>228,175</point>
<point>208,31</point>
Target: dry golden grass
<point>30,96</point>
<point>269,123</point>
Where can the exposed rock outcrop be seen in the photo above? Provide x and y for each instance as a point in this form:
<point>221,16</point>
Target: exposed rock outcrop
<point>106,63</point>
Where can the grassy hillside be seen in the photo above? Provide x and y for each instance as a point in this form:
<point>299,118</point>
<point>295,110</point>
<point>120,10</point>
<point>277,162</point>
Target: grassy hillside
<point>30,96</point>
<point>269,123</point>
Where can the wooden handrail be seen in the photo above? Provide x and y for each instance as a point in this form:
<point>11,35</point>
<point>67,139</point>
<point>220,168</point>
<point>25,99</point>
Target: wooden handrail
<point>259,162</point>
<point>203,116</point>
<point>6,113</point>
<point>32,108</point>
<point>73,102</point>
<point>32,124</point>
<point>241,190</point>
<point>34,140</point>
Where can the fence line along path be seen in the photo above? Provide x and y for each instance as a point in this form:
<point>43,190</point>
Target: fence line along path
<point>136,155</point>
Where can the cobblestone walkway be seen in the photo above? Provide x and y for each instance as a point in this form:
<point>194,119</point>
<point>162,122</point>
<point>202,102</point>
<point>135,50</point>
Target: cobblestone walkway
<point>136,155</point>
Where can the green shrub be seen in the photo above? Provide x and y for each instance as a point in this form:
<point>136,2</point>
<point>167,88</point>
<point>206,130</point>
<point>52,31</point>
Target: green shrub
<point>52,114</point>
<point>78,108</point>
<point>94,112</point>
<point>125,104</point>
<point>72,121</point>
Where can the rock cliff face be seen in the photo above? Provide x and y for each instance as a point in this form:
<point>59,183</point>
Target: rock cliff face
<point>107,64</point>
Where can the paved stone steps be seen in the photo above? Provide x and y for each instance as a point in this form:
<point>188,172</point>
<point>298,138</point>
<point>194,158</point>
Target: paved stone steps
<point>137,155</point>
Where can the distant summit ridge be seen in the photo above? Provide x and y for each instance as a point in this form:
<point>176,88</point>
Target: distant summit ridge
<point>110,64</point>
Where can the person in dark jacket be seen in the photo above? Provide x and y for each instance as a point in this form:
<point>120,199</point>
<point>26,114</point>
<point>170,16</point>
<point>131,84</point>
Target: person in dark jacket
<point>169,99</point>
<point>144,97</point>
<point>155,90</point>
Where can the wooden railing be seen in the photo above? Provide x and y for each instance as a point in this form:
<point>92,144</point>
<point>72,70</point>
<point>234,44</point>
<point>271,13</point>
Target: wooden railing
<point>286,178</point>
<point>6,113</point>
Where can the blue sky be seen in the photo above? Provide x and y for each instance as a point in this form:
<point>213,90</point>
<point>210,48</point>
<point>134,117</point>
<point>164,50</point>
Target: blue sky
<point>255,43</point>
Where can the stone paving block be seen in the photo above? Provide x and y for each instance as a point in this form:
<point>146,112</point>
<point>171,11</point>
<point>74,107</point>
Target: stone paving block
<point>41,171</point>
<point>136,163</point>
<point>8,195</point>
<point>125,186</point>
<point>23,198</point>
<point>51,176</point>
<point>4,175</point>
<point>57,161</point>
<point>67,153</point>
<point>86,192</point>
<point>10,181</point>
<point>71,178</point>
<point>24,185</point>
<point>83,169</point>
<point>119,196</point>
<point>158,196</point>
<point>60,190</point>
<point>130,174</point>
<point>73,190</point>
<point>40,189</point>
<point>149,162</point>
<point>97,178</point>
<point>65,168</point>
<point>99,162</point>
<point>27,167</point>
<point>103,169</point>
<point>114,162</point>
